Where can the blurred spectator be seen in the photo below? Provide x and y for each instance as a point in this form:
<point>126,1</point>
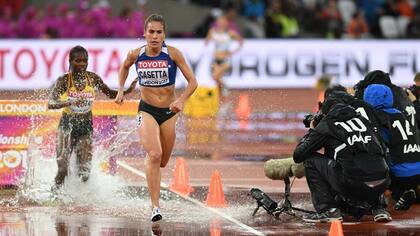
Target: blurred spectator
<point>102,19</point>
<point>15,6</point>
<point>201,30</point>
<point>310,19</point>
<point>273,25</point>
<point>254,9</point>
<point>212,3</point>
<point>282,18</point>
<point>67,21</point>
<point>358,27</point>
<point>7,26</point>
<point>28,25</point>
<point>80,22</point>
<point>51,22</point>
<point>129,23</point>
<point>87,26</point>
<point>331,19</point>
<point>404,8</point>
<point>416,8</point>
<point>372,10</point>
<point>136,24</point>
<point>279,24</point>
<point>121,24</point>
<point>253,28</point>
<point>413,28</point>
<point>390,8</point>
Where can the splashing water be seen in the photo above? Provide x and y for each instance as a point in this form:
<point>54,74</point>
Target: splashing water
<point>101,188</point>
<point>103,194</point>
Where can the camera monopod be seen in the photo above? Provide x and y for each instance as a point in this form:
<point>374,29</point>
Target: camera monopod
<point>280,169</point>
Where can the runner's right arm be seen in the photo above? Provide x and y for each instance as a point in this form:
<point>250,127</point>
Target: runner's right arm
<point>123,73</point>
<point>59,88</point>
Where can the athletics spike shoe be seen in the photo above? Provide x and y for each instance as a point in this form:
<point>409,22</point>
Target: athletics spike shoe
<point>324,217</point>
<point>381,215</point>
<point>406,200</point>
<point>156,214</point>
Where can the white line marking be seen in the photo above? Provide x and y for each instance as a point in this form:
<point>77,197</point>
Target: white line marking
<point>163,185</point>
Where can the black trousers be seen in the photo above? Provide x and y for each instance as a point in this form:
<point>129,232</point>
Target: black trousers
<point>400,184</point>
<point>326,181</point>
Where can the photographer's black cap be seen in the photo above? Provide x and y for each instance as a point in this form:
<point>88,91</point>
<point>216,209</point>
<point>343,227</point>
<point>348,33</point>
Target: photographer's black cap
<point>378,77</point>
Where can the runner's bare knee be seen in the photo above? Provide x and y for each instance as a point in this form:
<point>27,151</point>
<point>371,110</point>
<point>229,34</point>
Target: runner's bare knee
<point>155,156</point>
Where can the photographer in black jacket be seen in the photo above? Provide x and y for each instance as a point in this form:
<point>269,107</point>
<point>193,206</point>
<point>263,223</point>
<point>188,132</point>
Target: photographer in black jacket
<point>352,165</point>
<point>415,88</point>
<point>339,92</point>
<point>403,143</point>
<point>414,95</point>
<point>401,101</point>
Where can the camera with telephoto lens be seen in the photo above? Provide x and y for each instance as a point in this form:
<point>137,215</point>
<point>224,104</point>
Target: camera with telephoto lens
<point>309,117</point>
<point>263,200</point>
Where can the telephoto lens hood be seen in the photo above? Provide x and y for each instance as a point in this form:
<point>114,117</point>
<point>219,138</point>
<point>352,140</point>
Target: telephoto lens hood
<point>280,169</point>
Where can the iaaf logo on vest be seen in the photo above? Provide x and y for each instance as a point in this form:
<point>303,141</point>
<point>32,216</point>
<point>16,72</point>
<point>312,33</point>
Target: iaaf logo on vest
<point>152,64</point>
<point>411,148</point>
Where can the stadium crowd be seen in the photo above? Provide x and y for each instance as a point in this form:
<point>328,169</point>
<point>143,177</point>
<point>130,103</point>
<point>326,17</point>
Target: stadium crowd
<point>328,18</point>
<point>82,20</point>
<point>256,19</point>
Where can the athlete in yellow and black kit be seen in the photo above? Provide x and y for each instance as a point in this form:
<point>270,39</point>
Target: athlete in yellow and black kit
<point>75,92</point>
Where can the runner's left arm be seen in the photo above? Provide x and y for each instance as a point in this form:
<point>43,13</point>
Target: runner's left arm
<point>179,60</point>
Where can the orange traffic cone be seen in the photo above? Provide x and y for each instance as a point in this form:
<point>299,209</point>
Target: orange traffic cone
<point>216,196</point>
<point>336,228</point>
<point>215,229</point>
<point>181,180</point>
<point>243,110</point>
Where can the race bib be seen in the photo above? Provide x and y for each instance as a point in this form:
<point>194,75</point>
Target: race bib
<point>153,72</point>
<point>85,106</point>
<point>139,120</point>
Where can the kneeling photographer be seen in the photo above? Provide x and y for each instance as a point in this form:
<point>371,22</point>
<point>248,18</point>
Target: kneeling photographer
<point>352,165</point>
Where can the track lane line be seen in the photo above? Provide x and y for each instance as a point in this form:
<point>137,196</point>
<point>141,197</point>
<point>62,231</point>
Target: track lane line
<point>213,210</point>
